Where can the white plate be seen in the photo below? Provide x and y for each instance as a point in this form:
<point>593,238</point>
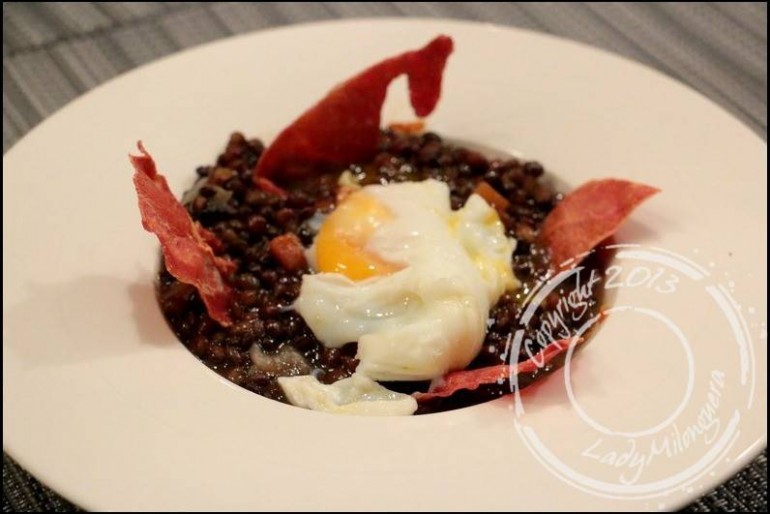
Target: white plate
<point>104,405</point>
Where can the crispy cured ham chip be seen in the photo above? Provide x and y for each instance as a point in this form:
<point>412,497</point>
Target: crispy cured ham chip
<point>187,247</point>
<point>474,378</point>
<point>268,186</point>
<point>587,216</point>
<point>344,126</point>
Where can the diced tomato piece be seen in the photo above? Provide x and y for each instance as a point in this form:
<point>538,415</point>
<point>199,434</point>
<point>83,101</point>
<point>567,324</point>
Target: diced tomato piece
<point>288,251</point>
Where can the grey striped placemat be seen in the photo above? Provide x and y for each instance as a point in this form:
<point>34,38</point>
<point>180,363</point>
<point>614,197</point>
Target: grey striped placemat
<point>52,53</point>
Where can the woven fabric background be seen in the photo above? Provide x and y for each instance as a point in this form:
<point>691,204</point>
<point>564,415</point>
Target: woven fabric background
<point>55,52</point>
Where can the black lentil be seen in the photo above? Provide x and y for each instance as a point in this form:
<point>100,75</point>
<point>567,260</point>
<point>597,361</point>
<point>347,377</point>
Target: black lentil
<point>246,219</point>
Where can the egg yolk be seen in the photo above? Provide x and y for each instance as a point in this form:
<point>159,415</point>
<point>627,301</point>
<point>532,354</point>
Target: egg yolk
<point>340,245</point>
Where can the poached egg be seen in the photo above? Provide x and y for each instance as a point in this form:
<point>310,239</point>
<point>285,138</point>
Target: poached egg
<point>408,279</point>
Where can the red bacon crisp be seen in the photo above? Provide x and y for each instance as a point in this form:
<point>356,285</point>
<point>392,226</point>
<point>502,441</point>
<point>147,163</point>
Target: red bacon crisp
<point>268,186</point>
<point>344,126</point>
<point>472,379</point>
<point>187,247</point>
<point>587,216</point>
